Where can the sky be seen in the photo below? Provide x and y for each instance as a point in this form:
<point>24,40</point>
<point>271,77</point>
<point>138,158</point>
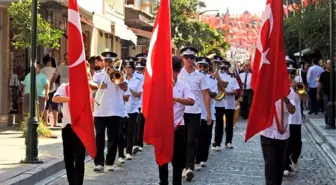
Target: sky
<point>236,6</point>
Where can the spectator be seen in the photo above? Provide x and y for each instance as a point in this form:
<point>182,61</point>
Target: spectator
<point>313,74</point>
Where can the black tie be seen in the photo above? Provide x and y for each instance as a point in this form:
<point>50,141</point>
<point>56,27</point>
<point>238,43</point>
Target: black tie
<point>245,80</point>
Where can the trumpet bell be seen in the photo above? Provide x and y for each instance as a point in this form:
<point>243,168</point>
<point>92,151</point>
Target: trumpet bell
<point>117,77</point>
<point>300,88</point>
<point>221,95</point>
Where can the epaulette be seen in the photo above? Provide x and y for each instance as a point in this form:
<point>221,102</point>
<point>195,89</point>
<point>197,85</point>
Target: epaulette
<point>138,78</point>
<point>202,72</point>
<point>212,77</point>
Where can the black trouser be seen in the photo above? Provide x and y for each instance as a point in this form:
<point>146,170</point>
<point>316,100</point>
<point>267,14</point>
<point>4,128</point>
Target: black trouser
<point>179,160</point>
<point>74,155</point>
<point>140,129</point>
<point>131,131</point>
<point>246,104</point>
<point>326,108</point>
<point>294,145</point>
<point>192,123</point>
<point>219,127</point>
<point>122,137</point>
<point>111,124</point>
<point>229,113</point>
<point>204,141</point>
<point>274,152</point>
<point>314,107</point>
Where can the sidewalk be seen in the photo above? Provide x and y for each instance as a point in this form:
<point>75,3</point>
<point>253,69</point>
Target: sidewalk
<point>324,137</point>
<point>12,147</point>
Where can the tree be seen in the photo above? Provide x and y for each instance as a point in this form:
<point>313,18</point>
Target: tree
<point>291,35</point>
<point>188,30</point>
<point>20,12</point>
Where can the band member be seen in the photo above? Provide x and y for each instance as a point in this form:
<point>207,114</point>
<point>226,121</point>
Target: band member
<point>182,96</point>
<point>135,87</point>
<point>123,130</point>
<point>247,91</point>
<point>295,121</point>
<point>204,138</point>
<point>223,79</point>
<point>108,112</point>
<point>140,67</point>
<point>274,142</point>
<point>230,106</point>
<point>73,148</point>
<point>196,82</point>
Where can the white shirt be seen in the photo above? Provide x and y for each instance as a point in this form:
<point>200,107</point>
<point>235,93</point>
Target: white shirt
<point>65,107</point>
<point>230,102</point>
<point>296,118</point>
<point>212,83</point>
<point>127,93</point>
<point>180,91</point>
<point>224,77</point>
<point>314,72</point>
<point>63,71</point>
<point>49,72</point>
<point>248,79</point>
<point>272,131</point>
<point>141,77</point>
<point>134,84</point>
<point>196,82</point>
<point>112,103</point>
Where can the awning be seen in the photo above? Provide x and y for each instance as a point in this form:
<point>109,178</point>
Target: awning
<point>101,23</point>
<point>124,33</point>
<point>303,52</point>
<point>142,33</point>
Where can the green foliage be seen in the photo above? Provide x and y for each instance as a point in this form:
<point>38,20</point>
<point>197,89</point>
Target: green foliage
<point>42,130</point>
<point>21,15</point>
<point>313,23</point>
<point>187,30</point>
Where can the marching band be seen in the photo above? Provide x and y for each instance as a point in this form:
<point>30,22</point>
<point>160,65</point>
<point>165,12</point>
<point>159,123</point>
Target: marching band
<point>204,93</point>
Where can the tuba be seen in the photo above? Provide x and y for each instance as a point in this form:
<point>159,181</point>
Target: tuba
<point>221,91</point>
<point>300,88</point>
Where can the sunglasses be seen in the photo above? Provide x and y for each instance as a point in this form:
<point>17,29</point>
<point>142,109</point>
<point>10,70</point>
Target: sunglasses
<point>192,57</point>
<point>203,66</point>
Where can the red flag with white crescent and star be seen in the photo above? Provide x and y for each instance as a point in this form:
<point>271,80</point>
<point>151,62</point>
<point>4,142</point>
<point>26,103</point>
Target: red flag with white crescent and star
<point>270,80</point>
<point>158,89</point>
<point>79,105</point>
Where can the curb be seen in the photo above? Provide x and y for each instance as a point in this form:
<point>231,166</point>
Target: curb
<point>40,172</point>
<point>330,141</point>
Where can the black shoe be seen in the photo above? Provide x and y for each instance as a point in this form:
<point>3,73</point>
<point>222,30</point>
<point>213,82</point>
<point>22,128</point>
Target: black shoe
<point>316,113</point>
<point>330,127</point>
<point>309,113</point>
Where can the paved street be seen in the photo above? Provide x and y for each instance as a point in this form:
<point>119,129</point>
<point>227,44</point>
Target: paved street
<point>242,165</point>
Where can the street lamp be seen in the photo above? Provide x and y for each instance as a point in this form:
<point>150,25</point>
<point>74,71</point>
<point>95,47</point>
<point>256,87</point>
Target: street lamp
<point>32,137</point>
<point>331,104</point>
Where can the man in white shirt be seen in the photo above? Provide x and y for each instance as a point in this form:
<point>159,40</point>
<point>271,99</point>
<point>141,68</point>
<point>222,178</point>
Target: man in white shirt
<point>182,96</point>
<point>224,76</point>
<point>246,77</point>
<point>295,121</point>
<point>135,87</point>
<point>140,67</point>
<point>204,138</point>
<point>196,82</point>
<point>108,112</point>
<point>313,75</point>
<point>274,141</point>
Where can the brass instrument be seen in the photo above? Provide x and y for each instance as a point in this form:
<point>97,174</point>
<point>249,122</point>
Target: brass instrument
<point>300,88</point>
<point>221,91</point>
<point>116,77</point>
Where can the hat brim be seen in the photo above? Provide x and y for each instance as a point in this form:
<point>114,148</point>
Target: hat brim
<point>201,62</point>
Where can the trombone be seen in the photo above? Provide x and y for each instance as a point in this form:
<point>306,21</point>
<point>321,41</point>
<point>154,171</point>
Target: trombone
<point>116,77</point>
<point>299,87</point>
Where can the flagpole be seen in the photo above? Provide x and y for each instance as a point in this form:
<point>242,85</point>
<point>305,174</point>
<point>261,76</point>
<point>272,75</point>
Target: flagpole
<point>331,104</point>
<point>32,137</point>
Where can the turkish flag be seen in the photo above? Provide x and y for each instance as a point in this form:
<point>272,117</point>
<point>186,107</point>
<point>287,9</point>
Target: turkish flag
<point>79,105</point>
<point>158,89</point>
<point>270,80</point>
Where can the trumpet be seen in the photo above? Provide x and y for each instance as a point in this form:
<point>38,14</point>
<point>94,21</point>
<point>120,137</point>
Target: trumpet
<point>299,87</point>
<point>116,77</point>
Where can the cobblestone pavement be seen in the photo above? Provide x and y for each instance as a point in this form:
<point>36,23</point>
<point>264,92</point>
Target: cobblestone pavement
<point>241,166</point>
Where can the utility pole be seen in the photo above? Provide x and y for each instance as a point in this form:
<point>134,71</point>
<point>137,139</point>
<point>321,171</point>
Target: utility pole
<point>331,104</point>
<point>32,136</point>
